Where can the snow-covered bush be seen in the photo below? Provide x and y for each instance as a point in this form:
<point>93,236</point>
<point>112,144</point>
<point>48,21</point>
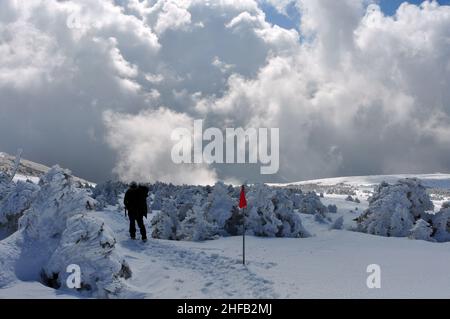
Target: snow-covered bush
<point>220,206</point>
<point>196,226</point>
<point>57,200</point>
<point>309,203</point>
<point>160,191</point>
<point>421,230</point>
<point>89,244</point>
<point>166,222</point>
<point>338,223</point>
<point>57,224</point>
<point>261,219</point>
<point>291,224</point>
<point>4,183</point>
<point>198,213</point>
<point>271,213</point>
<point>234,225</point>
<point>332,209</point>
<point>108,193</point>
<point>393,209</point>
<point>15,202</point>
<point>440,223</point>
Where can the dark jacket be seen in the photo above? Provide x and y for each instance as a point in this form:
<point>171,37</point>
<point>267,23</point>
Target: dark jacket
<point>135,201</point>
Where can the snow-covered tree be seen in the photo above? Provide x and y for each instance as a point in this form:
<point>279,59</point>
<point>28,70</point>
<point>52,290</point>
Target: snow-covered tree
<point>15,202</point>
<point>338,223</point>
<point>57,200</point>
<point>196,225</point>
<point>332,209</point>
<point>291,224</point>
<point>59,230</point>
<point>220,206</point>
<point>393,209</point>
<point>349,198</point>
<point>234,225</point>
<point>166,222</point>
<point>161,191</point>
<point>88,243</point>
<point>441,224</point>
<point>261,219</point>
<point>309,203</point>
<point>108,193</point>
<point>4,184</point>
<point>421,230</point>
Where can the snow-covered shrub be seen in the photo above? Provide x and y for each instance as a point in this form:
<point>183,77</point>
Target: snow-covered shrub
<point>421,230</point>
<point>197,213</point>
<point>440,223</point>
<point>220,206</point>
<point>88,243</point>
<point>291,224</point>
<point>190,194</point>
<point>261,219</point>
<point>393,209</point>
<point>17,200</point>
<point>58,225</point>
<point>4,183</point>
<point>338,223</point>
<point>234,225</point>
<point>166,222</point>
<point>309,203</point>
<point>160,191</point>
<point>196,225</point>
<point>108,193</point>
<point>332,209</point>
<point>57,200</point>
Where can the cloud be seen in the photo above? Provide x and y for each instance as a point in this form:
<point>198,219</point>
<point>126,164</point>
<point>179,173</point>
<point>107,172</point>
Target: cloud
<point>353,99</point>
<point>143,144</point>
<point>353,92</point>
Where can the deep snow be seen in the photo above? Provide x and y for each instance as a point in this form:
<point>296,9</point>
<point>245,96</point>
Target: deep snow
<point>330,264</point>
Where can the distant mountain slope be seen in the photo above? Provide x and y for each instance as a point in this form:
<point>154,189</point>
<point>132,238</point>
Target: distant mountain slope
<point>437,180</point>
<point>27,169</point>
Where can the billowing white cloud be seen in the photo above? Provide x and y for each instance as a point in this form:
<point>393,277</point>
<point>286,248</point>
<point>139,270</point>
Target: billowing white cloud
<point>365,93</point>
<point>143,144</point>
<point>86,82</point>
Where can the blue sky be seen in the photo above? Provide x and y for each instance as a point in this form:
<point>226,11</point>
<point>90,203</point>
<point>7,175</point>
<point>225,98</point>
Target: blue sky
<point>390,6</point>
<point>292,20</point>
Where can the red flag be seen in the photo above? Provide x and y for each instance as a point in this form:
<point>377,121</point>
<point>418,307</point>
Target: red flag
<point>242,200</point>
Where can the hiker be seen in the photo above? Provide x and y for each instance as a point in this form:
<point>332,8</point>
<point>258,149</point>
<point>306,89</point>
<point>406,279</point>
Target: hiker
<point>136,204</point>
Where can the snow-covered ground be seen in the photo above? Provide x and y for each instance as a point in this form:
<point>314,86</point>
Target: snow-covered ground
<point>330,264</point>
<point>437,180</point>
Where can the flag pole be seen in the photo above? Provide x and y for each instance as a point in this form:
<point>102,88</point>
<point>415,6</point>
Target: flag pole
<point>243,206</point>
<point>243,237</point>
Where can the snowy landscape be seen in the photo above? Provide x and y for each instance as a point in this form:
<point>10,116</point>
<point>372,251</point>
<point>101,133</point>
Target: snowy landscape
<point>312,239</point>
<point>313,133</point>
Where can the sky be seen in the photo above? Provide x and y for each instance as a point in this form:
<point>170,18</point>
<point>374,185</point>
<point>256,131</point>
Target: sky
<point>291,17</point>
<point>356,87</point>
